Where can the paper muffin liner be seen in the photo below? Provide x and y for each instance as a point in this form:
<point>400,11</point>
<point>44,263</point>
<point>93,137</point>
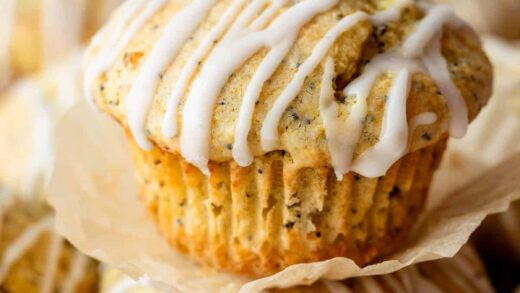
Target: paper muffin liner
<point>260,219</point>
<point>98,209</point>
<point>462,273</point>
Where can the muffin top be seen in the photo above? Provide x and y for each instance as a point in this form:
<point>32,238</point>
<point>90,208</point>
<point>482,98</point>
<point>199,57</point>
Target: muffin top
<point>350,84</point>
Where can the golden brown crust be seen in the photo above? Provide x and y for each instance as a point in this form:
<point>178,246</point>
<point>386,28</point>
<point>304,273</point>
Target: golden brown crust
<point>260,219</point>
<point>301,129</point>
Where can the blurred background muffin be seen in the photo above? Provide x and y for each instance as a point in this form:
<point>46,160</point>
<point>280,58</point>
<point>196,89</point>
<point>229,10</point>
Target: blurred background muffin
<point>29,110</point>
<point>34,258</point>
<point>37,33</point>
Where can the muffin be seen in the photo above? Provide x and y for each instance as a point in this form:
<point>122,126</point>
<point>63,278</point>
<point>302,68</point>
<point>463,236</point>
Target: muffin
<point>29,110</point>
<point>267,134</point>
<point>36,33</point>
<point>463,273</point>
<point>36,259</point>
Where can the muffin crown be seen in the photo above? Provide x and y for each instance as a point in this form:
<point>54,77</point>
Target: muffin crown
<point>354,85</point>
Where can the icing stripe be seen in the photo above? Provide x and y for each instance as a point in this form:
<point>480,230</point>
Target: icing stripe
<point>173,38</point>
<point>120,38</point>
<point>393,140</point>
<point>438,69</point>
<point>269,132</point>
<point>426,42</point>
<point>422,119</point>
<point>347,132</point>
<point>169,126</point>
<point>236,47</point>
<point>392,14</point>
<point>334,126</point>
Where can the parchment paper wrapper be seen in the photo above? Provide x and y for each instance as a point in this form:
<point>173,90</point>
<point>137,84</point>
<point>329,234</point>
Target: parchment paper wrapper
<point>98,210</point>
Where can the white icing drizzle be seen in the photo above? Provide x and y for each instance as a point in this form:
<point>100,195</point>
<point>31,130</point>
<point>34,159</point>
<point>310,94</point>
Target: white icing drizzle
<point>241,35</point>
<point>426,42</point>
<point>426,118</point>
<point>269,132</point>
<point>393,140</point>
<point>335,127</point>
<point>75,274</point>
<point>370,284</point>
<point>417,42</point>
<point>132,17</point>
<point>336,287</point>
<point>173,38</point>
<point>438,69</point>
<point>22,244</point>
<point>238,45</point>
<point>169,127</point>
<point>47,281</point>
<point>8,16</point>
<point>344,134</point>
<point>392,14</point>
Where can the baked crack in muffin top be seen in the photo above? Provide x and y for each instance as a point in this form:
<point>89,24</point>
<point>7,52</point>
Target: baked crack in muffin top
<point>350,84</point>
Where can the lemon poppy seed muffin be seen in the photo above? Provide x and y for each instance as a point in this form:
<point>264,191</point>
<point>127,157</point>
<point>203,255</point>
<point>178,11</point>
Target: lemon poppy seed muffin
<point>36,33</point>
<point>271,133</point>
<point>34,258</point>
<point>462,273</point>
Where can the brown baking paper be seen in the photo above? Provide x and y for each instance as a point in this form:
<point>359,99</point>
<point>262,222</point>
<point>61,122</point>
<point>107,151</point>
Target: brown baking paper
<point>97,207</point>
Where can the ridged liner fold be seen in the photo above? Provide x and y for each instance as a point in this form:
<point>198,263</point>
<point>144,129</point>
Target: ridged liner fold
<point>260,219</point>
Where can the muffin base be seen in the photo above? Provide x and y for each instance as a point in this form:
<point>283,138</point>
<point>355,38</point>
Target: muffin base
<point>260,219</point>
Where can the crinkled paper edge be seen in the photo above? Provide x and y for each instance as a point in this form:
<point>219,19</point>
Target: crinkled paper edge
<point>97,208</point>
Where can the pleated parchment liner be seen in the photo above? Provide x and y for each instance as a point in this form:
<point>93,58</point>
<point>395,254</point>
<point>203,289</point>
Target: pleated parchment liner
<point>98,207</point>
<point>96,200</point>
